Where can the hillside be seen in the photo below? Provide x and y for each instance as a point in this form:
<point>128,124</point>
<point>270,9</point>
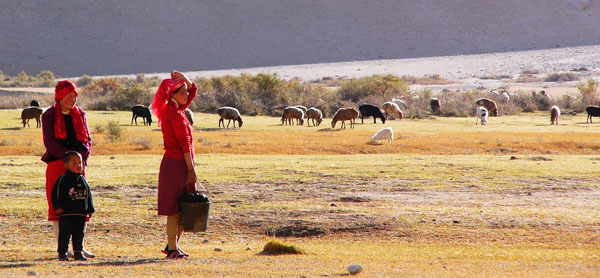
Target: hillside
<point>103,37</point>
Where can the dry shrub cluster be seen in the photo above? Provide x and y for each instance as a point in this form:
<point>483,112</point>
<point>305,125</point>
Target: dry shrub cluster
<point>116,93</point>
<point>14,100</point>
<point>43,79</point>
<point>268,94</point>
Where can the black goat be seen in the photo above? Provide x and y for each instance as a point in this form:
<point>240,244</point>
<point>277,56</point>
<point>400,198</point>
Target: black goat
<point>141,111</point>
<point>436,108</point>
<point>593,111</point>
<point>368,110</point>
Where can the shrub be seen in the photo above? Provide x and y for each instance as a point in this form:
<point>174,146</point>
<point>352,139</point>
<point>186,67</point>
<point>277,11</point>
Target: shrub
<point>588,91</point>
<point>527,78</point>
<point>114,131</point>
<point>277,247</point>
<point>561,77</point>
<point>43,79</point>
<point>99,128</point>
<point>143,142</point>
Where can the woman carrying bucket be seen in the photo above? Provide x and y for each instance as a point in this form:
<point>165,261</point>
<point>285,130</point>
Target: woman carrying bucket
<point>177,174</point>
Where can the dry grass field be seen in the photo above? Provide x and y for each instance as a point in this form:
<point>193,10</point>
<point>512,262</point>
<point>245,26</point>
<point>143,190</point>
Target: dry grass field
<point>515,198</point>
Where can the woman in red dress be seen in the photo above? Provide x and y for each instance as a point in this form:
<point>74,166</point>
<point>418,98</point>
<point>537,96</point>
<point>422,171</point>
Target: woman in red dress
<point>177,174</point>
<point>64,128</point>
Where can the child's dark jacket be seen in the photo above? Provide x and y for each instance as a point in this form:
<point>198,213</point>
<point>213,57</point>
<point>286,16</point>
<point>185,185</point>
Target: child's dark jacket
<point>72,193</point>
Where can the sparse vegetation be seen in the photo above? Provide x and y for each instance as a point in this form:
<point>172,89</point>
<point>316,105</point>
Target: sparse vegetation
<point>588,91</point>
<point>43,79</point>
<point>561,77</point>
<point>142,142</point>
<point>114,131</point>
<point>278,247</point>
<point>445,192</point>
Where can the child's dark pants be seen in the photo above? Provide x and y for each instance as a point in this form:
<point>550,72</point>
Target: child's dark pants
<point>70,226</point>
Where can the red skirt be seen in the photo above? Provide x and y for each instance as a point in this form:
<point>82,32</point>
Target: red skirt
<point>54,170</point>
<point>172,184</point>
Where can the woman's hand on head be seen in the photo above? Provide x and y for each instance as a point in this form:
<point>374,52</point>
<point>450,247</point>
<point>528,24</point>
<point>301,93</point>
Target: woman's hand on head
<point>178,76</point>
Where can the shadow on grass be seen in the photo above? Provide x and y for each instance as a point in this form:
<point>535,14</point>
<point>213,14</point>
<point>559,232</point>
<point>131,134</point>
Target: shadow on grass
<point>11,128</point>
<point>123,262</point>
<point>206,129</point>
<point>330,129</point>
<point>20,265</point>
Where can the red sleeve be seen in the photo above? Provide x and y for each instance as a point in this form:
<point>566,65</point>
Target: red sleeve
<point>183,133</point>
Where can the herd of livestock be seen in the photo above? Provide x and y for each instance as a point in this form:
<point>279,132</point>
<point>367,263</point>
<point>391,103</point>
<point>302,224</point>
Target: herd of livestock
<point>297,114</point>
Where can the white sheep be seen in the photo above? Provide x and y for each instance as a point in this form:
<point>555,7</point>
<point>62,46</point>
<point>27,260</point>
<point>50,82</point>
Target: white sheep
<point>505,97</point>
<point>384,134</point>
<point>400,102</point>
<point>482,114</point>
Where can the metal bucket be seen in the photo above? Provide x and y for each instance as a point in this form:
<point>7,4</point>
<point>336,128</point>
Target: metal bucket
<point>194,216</point>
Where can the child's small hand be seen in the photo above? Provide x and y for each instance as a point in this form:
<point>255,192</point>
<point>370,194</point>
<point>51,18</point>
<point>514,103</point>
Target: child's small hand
<point>59,211</point>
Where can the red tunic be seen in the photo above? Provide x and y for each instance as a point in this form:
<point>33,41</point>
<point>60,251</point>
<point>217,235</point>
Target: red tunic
<point>177,137</point>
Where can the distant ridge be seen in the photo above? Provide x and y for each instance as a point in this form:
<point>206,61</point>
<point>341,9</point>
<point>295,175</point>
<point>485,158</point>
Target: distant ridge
<point>102,37</point>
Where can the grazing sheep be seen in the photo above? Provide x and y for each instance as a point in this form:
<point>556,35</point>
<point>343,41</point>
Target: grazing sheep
<point>384,134</point>
<point>345,114</point>
<point>189,115</point>
<point>592,111</point>
<point>303,108</point>
<point>141,111</point>
<point>35,103</point>
<point>229,113</point>
<point>436,108</point>
<point>290,113</point>
<point>31,113</point>
<point>314,114</point>
<point>392,108</point>
<point>368,110</point>
<point>489,104</point>
<point>505,97</point>
<point>482,114</point>
<point>400,102</point>
<point>554,114</point>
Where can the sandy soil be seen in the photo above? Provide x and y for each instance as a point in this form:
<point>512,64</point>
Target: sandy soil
<point>466,70</point>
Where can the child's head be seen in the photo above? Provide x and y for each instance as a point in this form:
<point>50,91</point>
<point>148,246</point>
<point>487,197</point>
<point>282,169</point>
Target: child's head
<point>72,160</point>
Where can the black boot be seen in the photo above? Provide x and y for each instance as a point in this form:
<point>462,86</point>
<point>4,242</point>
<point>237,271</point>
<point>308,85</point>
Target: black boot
<point>79,256</point>
<point>63,257</point>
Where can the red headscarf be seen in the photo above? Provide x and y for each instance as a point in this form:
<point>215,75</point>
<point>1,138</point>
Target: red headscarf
<point>63,88</point>
<point>163,96</point>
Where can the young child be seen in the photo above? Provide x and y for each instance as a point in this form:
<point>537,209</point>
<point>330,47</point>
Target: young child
<point>72,201</point>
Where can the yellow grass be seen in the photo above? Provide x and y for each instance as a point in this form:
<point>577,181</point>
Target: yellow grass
<point>409,209</point>
<point>527,134</point>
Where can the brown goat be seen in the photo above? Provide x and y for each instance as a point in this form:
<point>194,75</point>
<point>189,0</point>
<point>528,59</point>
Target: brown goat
<point>291,113</point>
<point>489,104</point>
<point>345,114</point>
<point>31,113</point>
<point>391,108</point>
